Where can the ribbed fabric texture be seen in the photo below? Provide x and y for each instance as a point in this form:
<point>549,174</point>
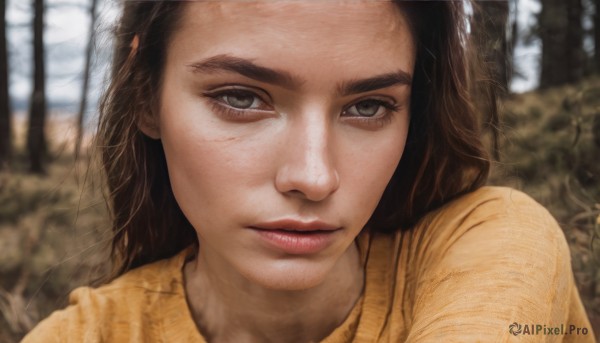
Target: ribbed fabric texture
<point>465,273</point>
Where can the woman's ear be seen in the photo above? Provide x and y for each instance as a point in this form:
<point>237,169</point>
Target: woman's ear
<point>148,124</point>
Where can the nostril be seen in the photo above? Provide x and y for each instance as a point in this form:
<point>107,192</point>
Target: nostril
<point>308,171</point>
<point>316,188</point>
<point>295,192</point>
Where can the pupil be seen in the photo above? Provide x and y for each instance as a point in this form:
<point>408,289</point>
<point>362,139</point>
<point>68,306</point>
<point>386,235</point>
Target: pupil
<point>367,108</point>
<point>240,101</point>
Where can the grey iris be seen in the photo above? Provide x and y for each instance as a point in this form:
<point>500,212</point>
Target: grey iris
<point>367,108</point>
<point>240,101</point>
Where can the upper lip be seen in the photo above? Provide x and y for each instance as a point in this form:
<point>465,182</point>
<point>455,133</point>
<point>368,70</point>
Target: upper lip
<point>295,225</point>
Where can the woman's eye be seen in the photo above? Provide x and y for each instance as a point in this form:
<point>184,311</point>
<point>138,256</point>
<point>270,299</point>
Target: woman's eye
<point>369,108</point>
<point>240,100</point>
<point>239,105</point>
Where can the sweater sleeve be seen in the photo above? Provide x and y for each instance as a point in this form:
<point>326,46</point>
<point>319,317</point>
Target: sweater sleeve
<point>493,273</point>
<point>79,322</point>
<point>146,304</point>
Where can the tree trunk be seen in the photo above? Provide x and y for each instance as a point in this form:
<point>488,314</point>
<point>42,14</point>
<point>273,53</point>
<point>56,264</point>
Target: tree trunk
<point>5,127</point>
<point>561,33</point>
<point>597,36</point>
<point>575,56</point>
<point>86,79</point>
<point>36,139</point>
<point>552,25</point>
<point>513,38</point>
<point>490,19</point>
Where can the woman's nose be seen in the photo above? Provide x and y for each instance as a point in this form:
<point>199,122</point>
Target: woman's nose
<point>308,168</point>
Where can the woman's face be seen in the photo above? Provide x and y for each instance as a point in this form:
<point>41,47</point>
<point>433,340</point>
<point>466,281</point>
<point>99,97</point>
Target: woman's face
<point>282,123</point>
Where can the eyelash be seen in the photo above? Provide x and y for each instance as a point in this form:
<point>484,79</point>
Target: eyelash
<point>228,111</point>
<point>381,121</point>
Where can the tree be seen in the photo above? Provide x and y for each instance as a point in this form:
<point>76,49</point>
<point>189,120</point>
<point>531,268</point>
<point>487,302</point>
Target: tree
<point>513,38</point>
<point>597,36</point>
<point>86,78</point>
<point>490,20</point>
<point>561,32</point>
<point>575,55</point>
<point>36,139</point>
<point>5,129</point>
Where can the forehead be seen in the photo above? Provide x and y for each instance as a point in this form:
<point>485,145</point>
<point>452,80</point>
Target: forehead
<point>299,34</point>
<point>315,15</point>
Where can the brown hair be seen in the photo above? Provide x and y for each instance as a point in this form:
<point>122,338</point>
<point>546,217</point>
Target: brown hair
<point>444,155</point>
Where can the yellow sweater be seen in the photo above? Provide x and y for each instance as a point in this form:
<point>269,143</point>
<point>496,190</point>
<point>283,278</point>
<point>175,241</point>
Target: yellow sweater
<point>487,263</point>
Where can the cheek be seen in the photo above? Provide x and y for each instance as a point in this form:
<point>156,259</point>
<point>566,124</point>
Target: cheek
<point>208,166</point>
<point>203,172</point>
<point>367,172</point>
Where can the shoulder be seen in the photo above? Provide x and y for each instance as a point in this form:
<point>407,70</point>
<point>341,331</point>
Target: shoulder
<point>492,226</point>
<point>470,256</point>
<point>508,212</point>
<point>492,201</point>
<point>121,310</point>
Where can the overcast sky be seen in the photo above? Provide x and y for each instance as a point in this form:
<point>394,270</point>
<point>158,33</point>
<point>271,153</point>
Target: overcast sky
<point>526,57</point>
<point>67,25</point>
<point>67,29</point>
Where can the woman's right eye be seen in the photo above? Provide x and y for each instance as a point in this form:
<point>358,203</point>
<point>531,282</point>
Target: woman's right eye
<point>238,104</point>
<point>241,100</point>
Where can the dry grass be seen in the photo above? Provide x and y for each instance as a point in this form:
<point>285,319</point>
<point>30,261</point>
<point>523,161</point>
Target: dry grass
<point>551,152</point>
<point>53,234</point>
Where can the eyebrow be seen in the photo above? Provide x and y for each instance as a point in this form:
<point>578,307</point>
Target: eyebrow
<point>284,79</point>
<point>246,68</point>
<point>377,82</point>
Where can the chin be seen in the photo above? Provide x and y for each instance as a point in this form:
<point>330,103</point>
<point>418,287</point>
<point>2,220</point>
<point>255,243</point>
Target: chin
<point>289,275</point>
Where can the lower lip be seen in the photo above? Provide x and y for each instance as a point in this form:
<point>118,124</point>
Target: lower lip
<point>297,243</point>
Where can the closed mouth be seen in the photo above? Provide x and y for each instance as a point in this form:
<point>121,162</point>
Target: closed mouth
<point>296,226</point>
<point>302,232</point>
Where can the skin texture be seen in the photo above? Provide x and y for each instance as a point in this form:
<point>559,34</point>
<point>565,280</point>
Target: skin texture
<point>301,151</point>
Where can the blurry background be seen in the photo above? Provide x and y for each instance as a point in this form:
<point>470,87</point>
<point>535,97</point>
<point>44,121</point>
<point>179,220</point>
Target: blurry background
<point>54,56</point>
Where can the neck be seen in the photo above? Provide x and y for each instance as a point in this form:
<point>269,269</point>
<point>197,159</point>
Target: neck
<point>227,307</point>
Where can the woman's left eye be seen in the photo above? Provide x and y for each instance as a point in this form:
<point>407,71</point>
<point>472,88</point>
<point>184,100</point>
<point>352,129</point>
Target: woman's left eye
<point>369,108</point>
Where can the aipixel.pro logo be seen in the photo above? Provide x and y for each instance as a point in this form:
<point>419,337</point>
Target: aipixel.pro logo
<point>516,329</point>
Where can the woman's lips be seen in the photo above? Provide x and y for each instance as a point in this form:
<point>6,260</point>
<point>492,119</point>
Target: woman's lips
<point>296,225</point>
<point>296,237</point>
